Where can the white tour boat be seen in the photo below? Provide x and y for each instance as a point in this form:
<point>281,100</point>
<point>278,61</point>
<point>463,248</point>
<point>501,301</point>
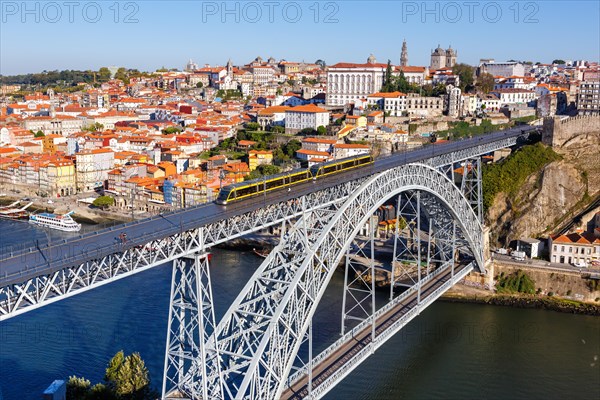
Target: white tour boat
<point>54,221</point>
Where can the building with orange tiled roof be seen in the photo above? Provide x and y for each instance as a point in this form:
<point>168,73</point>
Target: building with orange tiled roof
<point>303,117</point>
<point>92,167</point>
<point>574,248</point>
<point>342,150</point>
<point>349,82</point>
<point>259,157</point>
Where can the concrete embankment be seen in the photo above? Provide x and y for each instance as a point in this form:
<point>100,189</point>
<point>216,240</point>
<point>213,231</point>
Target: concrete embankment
<point>523,301</point>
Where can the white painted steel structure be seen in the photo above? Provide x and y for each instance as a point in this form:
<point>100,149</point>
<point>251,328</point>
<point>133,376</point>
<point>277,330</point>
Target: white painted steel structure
<point>260,335</point>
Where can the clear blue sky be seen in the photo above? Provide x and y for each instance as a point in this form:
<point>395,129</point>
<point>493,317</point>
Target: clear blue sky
<point>169,33</point>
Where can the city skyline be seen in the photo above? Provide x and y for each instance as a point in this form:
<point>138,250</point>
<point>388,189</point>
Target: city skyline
<point>209,34</point>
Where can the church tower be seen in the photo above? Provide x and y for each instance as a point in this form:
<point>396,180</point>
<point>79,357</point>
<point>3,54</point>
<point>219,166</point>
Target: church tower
<point>229,68</point>
<point>404,55</point>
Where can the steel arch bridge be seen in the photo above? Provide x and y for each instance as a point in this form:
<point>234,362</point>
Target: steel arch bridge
<point>250,354</point>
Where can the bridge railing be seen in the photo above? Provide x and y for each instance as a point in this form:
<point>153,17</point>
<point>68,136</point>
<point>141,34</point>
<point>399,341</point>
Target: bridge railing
<point>359,357</point>
<point>362,325</point>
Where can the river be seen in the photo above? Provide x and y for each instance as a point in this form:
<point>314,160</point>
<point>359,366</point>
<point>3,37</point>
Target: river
<point>451,351</point>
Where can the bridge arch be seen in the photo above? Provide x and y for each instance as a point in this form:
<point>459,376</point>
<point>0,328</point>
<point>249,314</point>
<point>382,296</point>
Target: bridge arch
<point>260,335</point>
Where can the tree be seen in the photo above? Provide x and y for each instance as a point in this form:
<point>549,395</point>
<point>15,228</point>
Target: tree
<point>321,63</point>
<point>199,85</point>
<point>388,85</point>
<point>321,130</point>
<point>104,202</point>
<point>277,129</point>
<point>113,367</point>
<point>402,84</point>
<point>77,388</point>
<point>268,169</point>
<point>94,127</point>
<point>39,134</point>
<point>465,74</point>
<point>558,61</point>
<point>252,126</point>
<point>132,377</point>
<point>307,132</point>
<point>485,82</point>
<point>291,147</point>
<point>171,130</point>
<point>104,74</point>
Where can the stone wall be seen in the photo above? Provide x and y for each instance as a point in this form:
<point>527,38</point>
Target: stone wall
<point>558,133</point>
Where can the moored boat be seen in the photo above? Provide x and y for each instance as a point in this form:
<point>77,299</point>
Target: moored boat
<point>56,221</point>
<point>10,212</point>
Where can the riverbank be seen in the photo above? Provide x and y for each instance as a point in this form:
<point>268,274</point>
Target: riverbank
<point>466,294</point>
<point>82,213</point>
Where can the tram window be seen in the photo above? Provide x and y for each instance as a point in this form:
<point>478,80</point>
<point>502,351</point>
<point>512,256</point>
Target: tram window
<point>298,177</point>
<point>246,190</point>
<point>275,183</point>
<point>329,169</point>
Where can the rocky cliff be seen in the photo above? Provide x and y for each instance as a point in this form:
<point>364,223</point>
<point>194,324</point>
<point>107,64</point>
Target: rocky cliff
<point>556,192</point>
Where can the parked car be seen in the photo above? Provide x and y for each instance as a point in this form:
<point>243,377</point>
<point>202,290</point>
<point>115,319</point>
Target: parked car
<point>518,255</point>
<point>580,264</point>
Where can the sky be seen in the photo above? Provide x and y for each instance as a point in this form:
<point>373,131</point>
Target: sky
<point>41,35</point>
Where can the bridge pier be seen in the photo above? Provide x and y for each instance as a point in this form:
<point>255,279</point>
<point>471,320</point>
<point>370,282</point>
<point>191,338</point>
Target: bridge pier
<point>191,322</point>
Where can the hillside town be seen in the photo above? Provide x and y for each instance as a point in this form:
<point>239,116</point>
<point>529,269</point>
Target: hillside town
<point>158,141</point>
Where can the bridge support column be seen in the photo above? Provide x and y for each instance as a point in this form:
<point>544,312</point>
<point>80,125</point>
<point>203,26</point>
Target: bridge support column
<point>191,322</point>
<point>359,279</point>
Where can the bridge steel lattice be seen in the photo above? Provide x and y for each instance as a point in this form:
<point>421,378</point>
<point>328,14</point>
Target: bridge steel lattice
<point>257,340</point>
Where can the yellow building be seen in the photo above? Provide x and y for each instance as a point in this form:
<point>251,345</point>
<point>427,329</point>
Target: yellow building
<point>356,121</point>
<point>51,141</point>
<point>259,157</point>
<point>61,178</point>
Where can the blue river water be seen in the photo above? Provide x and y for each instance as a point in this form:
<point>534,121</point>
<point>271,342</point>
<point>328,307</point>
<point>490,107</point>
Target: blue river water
<point>451,351</point>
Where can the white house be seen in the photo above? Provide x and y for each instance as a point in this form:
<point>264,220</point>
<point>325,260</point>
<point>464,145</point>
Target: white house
<point>302,117</point>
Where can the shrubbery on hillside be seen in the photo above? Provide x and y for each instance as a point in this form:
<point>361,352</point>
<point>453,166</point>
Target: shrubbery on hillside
<point>509,175</point>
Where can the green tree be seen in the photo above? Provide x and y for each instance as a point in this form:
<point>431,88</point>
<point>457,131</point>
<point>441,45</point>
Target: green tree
<point>268,169</point>
<point>171,130</point>
<point>100,392</point>
<point>291,147</point>
<point>39,134</point>
<point>113,367</point>
<point>252,126</point>
<point>558,61</point>
<point>307,132</point>
<point>104,202</point>
<point>321,130</point>
<point>77,388</point>
<point>388,85</point>
<point>321,63</point>
<point>132,378</point>
<point>485,82</point>
<point>277,129</point>
<point>96,127</point>
<point>103,74</point>
<point>199,85</point>
<point>402,84</point>
<point>465,74</point>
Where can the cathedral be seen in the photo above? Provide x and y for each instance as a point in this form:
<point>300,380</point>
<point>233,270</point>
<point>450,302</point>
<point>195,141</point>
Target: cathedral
<point>441,58</point>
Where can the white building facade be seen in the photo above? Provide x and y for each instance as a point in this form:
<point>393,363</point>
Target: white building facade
<point>348,82</point>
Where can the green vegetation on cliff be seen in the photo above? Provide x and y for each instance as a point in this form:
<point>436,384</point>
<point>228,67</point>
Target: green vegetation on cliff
<point>517,282</point>
<point>510,174</point>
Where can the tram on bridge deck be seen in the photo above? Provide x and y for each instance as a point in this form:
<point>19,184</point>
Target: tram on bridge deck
<point>257,187</point>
